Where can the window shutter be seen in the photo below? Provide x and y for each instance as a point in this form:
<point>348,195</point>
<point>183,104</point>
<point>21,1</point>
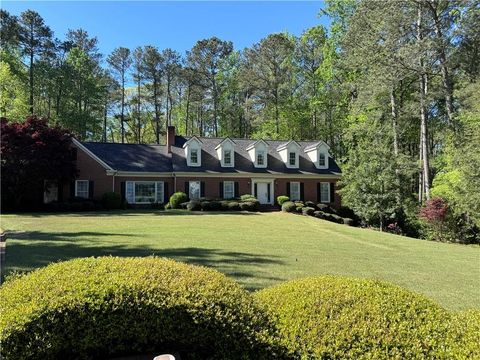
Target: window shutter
<point>302,192</point>
<point>318,192</point>
<point>288,189</point>
<point>220,190</point>
<point>72,189</point>
<point>90,189</point>
<point>122,191</point>
<point>332,192</point>
<point>255,190</point>
<point>202,188</point>
<point>187,188</point>
<point>236,190</point>
<point>268,191</point>
<point>165,192</point>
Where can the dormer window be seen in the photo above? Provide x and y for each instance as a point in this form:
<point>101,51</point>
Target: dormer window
<point>322,161</point>
<point>260,158</point>
<point>318,154</point>
<point>194,156</point>
<point>292,159</point>
<point>227,157</point>
<point>258,153</point>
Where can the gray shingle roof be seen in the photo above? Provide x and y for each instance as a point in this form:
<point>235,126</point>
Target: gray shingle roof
<point>154,158</point>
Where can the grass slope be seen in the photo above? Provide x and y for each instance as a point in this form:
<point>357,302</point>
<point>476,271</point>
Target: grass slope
<point>258,250</point>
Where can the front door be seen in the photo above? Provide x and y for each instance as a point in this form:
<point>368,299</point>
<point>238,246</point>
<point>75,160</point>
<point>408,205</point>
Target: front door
<point>262,193</point>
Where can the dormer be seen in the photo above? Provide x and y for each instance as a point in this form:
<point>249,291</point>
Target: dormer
<point>290,154</point>
<point>226,152</point>
<point>318,154</point>
<point>193,151</point>
<point>258,152</point>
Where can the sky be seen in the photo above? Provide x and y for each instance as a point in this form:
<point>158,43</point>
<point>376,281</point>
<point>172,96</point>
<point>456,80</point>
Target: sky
<point>175,24</point>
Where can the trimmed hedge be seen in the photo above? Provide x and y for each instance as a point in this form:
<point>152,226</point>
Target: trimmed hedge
<point>465,336</point>
<point>289,206</point>
<point>105,307</point>
<point>177,198</point>
<point>252,205</point>
<point>308,211</point>
<point>343,318</point>
<point>111,200</point>
<point>281,199</point>
<point>247,197</point>
<point>194,205</point>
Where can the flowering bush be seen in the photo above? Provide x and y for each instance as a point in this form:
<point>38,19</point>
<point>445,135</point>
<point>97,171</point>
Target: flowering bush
<point>434,214</point>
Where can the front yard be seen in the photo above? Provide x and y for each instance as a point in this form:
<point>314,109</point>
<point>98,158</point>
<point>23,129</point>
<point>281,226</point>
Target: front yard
<point>257,249</point>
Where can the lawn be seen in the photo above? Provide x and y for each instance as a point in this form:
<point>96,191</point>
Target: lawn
<point>258,249</point>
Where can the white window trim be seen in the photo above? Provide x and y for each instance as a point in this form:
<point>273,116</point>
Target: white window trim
<point>264,153</point>
<point>328,193</point>
<point>199,189</point>
<point>265,180</point>
<point>326,160</point>
<point>76,188</point>
<point>157,183</point>
<point>299,191</point>
<point>193,163</point>
<point>232,155</point>
<point>233,189</point>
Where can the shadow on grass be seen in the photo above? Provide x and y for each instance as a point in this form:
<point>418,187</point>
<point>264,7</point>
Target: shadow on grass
<point>26,255</point>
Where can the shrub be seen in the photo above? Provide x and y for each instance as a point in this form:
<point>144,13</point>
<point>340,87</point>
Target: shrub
<point>247,197</point>
<point>281,199</point>
<point>168,206</point>
<point>249,205</point>
<point>233,206</point>
<point>177,198</point>
<point>336,218</point>
<point>157,206</point>
<point>215,205</point>
<point>206,205</point>
<point>348,221</point>
<point>111,200</point>
<point>342,318</point>
<point>298,209</point>
<point>319,214</point>
<point>289,206</point>
<point>194,205</point>
<point>465,334</point>
<point>325,208</point>
<point>184,205</point>
<point>310,204</point>
<point>308,211</point>
<point>106,307</point>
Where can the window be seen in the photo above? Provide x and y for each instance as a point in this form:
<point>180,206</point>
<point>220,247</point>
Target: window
<point>322,159</point>
<point>81,188</point>
<point>324,192</point>
<point>144,192</point>
<point>294,191</point>
<point>51,191</point>
<point>227,157</point>
<point>228,189</point>
<point>194,189</point>
<point>260,158</point>
<point>292,159</point>
<point>194,156</point>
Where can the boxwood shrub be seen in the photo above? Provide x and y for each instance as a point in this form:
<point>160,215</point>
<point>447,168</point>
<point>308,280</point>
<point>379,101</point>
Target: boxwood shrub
<point>105,307</point>
<point>233,206</point>
<point>177,198</point>
<point>252,205</point>
<point>289,206</point>
<point>332,317</point>
<point>111,200</point>
<point>281,199</point>
<point>194,205</point>
<point>465,335</point>
<point>247,197</point>
<point>308,211</point>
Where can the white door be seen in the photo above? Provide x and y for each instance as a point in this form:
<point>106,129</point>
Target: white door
<point>262,193</point>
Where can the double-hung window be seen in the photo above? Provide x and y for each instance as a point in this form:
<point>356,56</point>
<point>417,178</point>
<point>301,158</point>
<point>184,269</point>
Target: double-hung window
<point>325,192</point>
<point>260,158</point>
<point>194,189</point>
<point>144,192</point>
<point>227,157</point>
<point>292,158</point>
<point>322,161</point>
<point>81,188</point>
<point>294,191</point>
<point>194,156</point>
<point>228,189</point>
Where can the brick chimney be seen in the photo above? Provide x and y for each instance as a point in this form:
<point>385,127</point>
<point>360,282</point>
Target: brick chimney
<point>170,138</point>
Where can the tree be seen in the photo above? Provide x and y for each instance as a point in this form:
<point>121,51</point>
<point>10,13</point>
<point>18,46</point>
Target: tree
<point>205,58</point>
<point>120,61</point>
<point>31,153</point>
<point>35,38</point>
<point>171,71</point>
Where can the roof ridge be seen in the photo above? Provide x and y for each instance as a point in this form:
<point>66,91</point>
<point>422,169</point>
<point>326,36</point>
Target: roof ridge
<point>115,143</point>
<point>246,139</point>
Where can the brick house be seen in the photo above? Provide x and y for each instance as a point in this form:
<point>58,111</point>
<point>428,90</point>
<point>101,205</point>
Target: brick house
<point>203,167</point>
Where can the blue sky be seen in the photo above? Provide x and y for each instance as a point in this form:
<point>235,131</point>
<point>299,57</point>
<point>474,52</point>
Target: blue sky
<point>177,25</point>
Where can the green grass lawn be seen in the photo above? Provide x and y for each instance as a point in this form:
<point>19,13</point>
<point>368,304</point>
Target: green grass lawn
<point>258,250</point>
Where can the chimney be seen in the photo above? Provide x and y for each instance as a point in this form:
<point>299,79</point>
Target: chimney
<point>170,138</point>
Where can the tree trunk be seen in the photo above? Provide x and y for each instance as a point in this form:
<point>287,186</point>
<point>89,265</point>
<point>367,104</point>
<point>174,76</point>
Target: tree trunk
<point>31,79</point>
<point>139,103</point>
<point>393,105</point>
<point>122,119</point>
<point>157,111</point>
<point>187,111</point>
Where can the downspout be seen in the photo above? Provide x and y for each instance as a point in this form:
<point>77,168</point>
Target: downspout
<point>113,180</point>
<point>174,182</point>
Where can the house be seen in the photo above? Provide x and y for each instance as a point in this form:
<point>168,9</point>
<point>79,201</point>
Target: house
<point>204,167</point>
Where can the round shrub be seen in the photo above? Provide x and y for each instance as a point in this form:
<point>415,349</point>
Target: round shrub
<point>319,214</point>
<point>247,197</point>
<point>336,218</point>
<point>348,221</point>
<point>281,199</point>
<point>289,206</point>
<point>111,200</point>
<point>233,206</point>
<point>177,198</point>
<point>215,205</point>
<point>206,205</point>
<point>325,208</point>
<point>332,317</point>
<point>224,205</point>
<point>308,211</point>
<point>194,205</point>
<point>168,206</point>
<point>184,205</point>
<point>249,206</point>
<point>106,307</point>
<point>310,204</point>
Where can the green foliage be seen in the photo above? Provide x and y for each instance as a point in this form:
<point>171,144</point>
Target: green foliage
<point>194,205</point>
<point>247,197</point>
<point>465,334</point>
<point>281,199</point>
<point>177,198</point>
<point>104,307</point>
<point>233,206</point>
<point>289,206</point>
<point>308,211</point>
<point>111,200</point>
<point>344,318</point>
<point>252,205</point>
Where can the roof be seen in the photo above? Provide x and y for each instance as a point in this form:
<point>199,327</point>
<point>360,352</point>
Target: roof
<point>155,158</point>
